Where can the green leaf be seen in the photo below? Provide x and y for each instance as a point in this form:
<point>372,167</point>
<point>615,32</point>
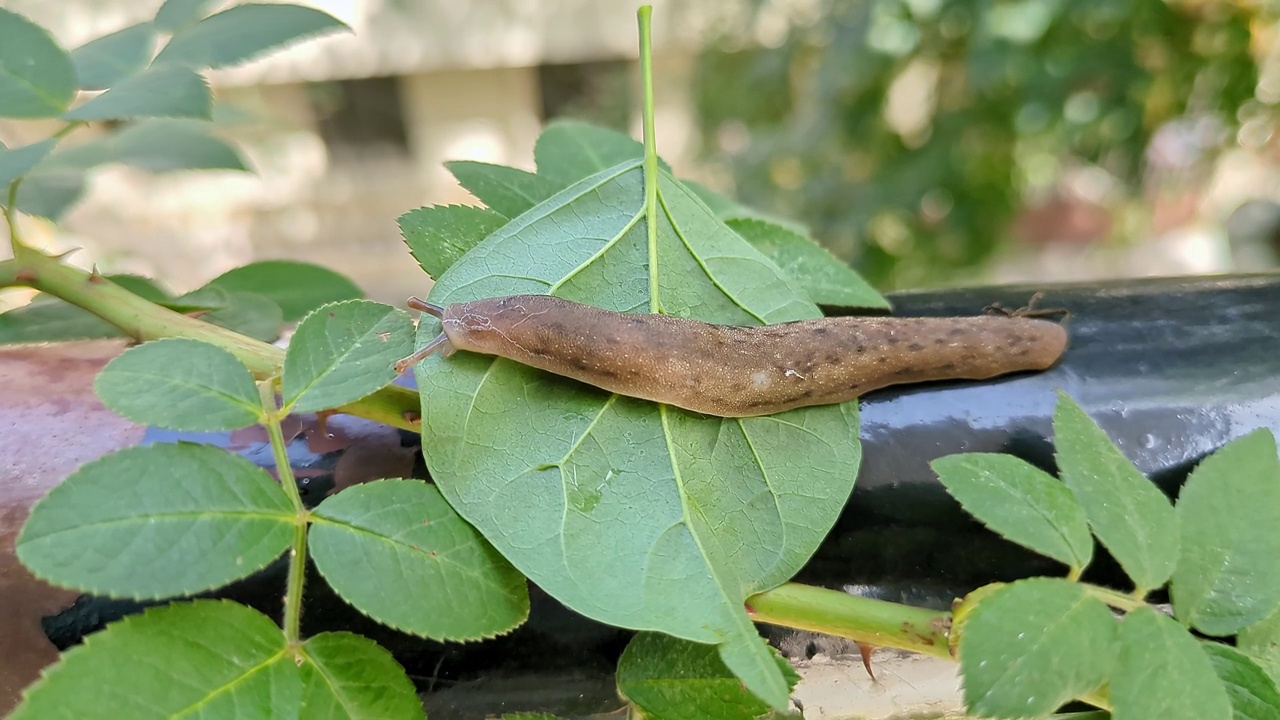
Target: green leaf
<point>16,162</point>
<point>159,91</point>
<point>1032,645</point>
<point>569,150</point>
<point>109,59</point>
<point>811,267</point>
<point>47,319</point>
<point>595,496</point>
<point>342,352</point>
<point>297,287</point>
<point>505,190</point>
<point>166,145</point>
<point>1262,642</point>
<point>1254,695</point>
<point>1228,576</point>
<point>671,678</point>
<point>437,236</point>
<point>48,194</point>
<point>180,384</point>
<point>349,677</point>
<point>245,312</point>
<point>175,14</point>
<point>1020,502</point>
<point>155,144</point>
<point>207,658</point>
<point>728,209</point>
<point>243,32</point>
<point>723,206</point>
<point>1162,672</point>
<point>37,79</point>
<point>157,521</point>
<point>382,542</point>
<point>1128,513</point>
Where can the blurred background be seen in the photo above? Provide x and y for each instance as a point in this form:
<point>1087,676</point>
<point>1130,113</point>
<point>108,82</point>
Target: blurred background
<point>927,142</point>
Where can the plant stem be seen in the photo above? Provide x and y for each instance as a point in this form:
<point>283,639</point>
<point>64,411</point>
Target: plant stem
<point>298,551</point>
<point>1118,600</point>
<point>874,622</point>
<point>11,216</point>
<point>644,15</point>
<point>144,320</point>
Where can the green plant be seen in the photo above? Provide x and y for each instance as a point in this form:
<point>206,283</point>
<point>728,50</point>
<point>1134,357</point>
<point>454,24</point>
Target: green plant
<point>684,526</point>
<point>909,134</point>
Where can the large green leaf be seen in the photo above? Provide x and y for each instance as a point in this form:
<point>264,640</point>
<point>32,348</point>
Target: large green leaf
<point>1021,502</point>
<point>207,659</point>
<point>160,91</point>
<point>343,351</point>
<point>297,287</point>
<point>1163,672</point>
<point>1261,641</point>
<point>157,521</point>
<point>812,268</point>
<point>182,384</point>
<point>15,162</point>
<point>569,150</point>
<point>437,236</point>
<point>632,513</point>
<point>242,33</point>
<point>388,540</point>
<point>1228,576</point>
<point>174,14</point>
<point>349,677</point>
<point>48,194</point>
<point>107,60</point>
<point>506,190</point>
<point>668,677</point>
<point>1254,695</point>
<point>1128,513</point>
<point>37,78</point>
<point>155,144</point>
<point>1032,645</point>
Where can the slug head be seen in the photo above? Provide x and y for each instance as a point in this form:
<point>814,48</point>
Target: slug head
<point>440,342</point>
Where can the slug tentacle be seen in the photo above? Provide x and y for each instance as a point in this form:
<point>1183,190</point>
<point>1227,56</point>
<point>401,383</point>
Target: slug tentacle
<point>733,371</point>
<point>416,303</point>
<point>439,342</point>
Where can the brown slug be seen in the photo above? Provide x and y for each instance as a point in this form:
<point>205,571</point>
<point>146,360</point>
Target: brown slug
<point>735,371</point>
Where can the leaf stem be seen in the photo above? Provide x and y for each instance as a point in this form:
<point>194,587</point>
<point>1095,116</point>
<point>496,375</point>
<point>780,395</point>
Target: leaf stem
<point>298,552</point>
<point>865,620</point>
<point>644,15</point>
<point>11,216</point>
<point>1118,600</point>
<point>144,320</point>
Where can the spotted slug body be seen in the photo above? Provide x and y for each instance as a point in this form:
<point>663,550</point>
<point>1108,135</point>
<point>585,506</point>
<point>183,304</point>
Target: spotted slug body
<point>733,371</point>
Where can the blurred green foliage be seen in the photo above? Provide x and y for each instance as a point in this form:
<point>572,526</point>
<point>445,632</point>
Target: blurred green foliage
<point>992,98</point>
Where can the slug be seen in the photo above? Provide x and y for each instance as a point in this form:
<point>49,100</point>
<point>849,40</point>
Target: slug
<point>734,371</point>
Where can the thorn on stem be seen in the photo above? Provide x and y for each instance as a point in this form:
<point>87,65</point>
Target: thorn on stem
<point>866,651</point>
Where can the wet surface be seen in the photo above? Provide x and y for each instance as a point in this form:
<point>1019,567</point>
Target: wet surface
<point>1172,369</point>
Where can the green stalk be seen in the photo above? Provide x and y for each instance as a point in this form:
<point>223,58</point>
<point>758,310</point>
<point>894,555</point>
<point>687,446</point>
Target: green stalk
<point>864,620</point>
<point>144,320</point>
<point>1118,600</point>
<point>11,216</point>
<point>298,551</point>
<point>644,15</point>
